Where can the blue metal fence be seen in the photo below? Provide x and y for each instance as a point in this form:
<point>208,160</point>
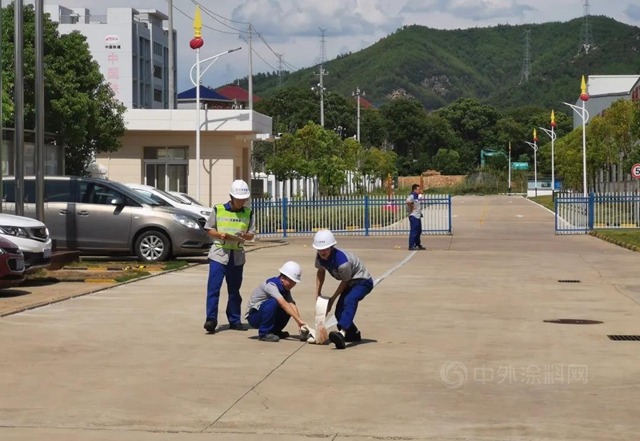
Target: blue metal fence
<point>354,215</point>
<point>579,214</point>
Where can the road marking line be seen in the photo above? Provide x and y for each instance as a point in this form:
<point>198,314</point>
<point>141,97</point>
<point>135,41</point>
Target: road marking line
<point>484,212</point>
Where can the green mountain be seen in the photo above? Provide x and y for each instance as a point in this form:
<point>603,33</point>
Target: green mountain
<point>439,66</point>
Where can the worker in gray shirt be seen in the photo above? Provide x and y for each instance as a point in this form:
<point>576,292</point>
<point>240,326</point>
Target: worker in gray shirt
<point>415,218</point>
<point>355,284</point>
<point>230,225</point>
<point>271,304</point>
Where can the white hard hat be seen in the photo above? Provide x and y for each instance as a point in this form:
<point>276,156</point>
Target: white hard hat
<point>292,270</point>
<point>323,240</point>
<point>239,189</point>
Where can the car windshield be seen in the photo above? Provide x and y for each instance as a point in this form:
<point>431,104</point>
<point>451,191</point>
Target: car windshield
<point>169,196</point>
<point>138,197</point>
<point>186,196</point>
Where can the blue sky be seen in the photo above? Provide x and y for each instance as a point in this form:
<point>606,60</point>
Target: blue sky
<point>291,27</point>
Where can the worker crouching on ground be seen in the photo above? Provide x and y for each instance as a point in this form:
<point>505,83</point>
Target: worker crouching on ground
<point>355,284</point>
<point>271,304</point>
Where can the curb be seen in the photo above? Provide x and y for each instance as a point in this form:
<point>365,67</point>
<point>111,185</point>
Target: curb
<point>115,284</point>
<point>62,299</point>
<point>615,242</point>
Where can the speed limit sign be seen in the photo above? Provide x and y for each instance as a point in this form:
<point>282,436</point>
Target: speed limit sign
<point>635,171</point>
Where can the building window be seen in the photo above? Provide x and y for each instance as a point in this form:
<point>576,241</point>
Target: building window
<point>157,95</point>
<point>167,168</point>
<point>157,49</point>
<point>157,71</point>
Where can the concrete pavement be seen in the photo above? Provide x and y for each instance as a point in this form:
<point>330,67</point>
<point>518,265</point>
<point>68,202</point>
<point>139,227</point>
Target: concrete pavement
<point>455,348</point>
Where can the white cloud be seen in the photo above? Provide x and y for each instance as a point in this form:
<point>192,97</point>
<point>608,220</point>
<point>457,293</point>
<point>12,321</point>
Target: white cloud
<point>476,10</point>
<point>304,17</point>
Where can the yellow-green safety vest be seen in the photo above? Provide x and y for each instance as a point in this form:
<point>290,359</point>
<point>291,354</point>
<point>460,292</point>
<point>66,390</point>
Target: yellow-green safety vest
<point>231,222</point>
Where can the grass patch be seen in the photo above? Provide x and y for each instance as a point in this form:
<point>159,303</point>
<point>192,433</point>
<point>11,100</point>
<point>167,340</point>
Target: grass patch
<point>625,238</point>
<point>174,264</point>
<point>545,201</point>
<point>132,275</point>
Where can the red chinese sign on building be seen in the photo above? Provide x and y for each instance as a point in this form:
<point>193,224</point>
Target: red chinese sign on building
<point>113,69</point>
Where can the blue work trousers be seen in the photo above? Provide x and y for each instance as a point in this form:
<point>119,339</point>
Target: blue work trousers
<point>269,318</point>
<point>348,305</point>
<point>416,231</point>
<point>233,274</point>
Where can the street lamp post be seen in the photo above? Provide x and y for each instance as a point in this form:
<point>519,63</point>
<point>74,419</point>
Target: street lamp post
<point>196,43</point>
<point>358,94</point>
<point>534,146</point>
<point>584,115</point>
<point>509,167</point>
<point>552,134</point>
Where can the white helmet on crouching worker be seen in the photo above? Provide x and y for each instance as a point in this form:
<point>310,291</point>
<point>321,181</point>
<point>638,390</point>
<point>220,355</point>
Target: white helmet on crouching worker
<point>239,189</point>
<point>292,270</point>
<point>324,239</point>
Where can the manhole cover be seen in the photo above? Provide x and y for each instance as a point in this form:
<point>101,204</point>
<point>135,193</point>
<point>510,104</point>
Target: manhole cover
<point>569,281</point>
<point>573,322</point>
<point>624,337</point>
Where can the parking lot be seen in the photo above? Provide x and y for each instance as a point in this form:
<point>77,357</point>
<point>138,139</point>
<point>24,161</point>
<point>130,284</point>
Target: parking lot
<point>456,346</point>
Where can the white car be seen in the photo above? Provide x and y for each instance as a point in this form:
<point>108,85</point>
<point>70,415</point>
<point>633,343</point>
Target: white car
<point>166,199</point>
<point>32,238</point>
<point>185,198</point>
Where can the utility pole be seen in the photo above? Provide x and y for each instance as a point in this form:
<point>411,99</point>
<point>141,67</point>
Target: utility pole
<point>19,105</point>
<point>39,92</point>
<point>587,35</point>
<point>250,108</point>
<point>172,50</point>
<point>279,70</point>
<point>357,94</point>
<point>323,55</point>
<point>526,63</point>
<point>1,116</point>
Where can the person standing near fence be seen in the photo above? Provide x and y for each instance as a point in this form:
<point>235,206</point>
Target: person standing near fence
<point>230,225</point>
<point>415,218</point>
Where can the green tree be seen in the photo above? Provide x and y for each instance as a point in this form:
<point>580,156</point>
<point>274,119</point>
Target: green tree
<point>284,161</point>
<point>373,132</point>
<point>405,122</point>
<point>80,108</point>
<point>447,162</point>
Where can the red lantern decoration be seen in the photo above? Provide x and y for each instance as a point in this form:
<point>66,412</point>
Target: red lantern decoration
<point>196,43</point>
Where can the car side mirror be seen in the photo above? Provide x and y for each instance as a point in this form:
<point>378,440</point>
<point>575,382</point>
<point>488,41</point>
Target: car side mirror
<point>117,201</point>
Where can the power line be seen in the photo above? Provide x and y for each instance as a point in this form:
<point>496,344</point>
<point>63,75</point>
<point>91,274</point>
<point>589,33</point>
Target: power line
<point>204,26</point>
<point>259,56</point>
<point>213,15</point>
<point>218,15</point>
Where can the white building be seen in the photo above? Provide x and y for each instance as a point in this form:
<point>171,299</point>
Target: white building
<point>131,46</point>
<point>604,90</point>
<point>159,149</point>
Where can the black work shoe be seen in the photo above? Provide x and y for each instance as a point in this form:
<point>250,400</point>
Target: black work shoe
<point>337,339</point>
<point>413,248</point>
<point>272,338</point>
<point>238,327</point>
<point>282,334</point>
<point>420,247</point>
<point>353,337</point>
<point>210,326</point>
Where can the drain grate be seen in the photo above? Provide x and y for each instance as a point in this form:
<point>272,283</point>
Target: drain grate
<point>573,322</point>
<point>624,337</point>
<point>569,281</point>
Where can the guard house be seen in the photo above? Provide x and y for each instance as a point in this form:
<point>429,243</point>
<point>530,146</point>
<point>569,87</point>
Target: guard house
<point>209,99</point>
<point>159,149</point>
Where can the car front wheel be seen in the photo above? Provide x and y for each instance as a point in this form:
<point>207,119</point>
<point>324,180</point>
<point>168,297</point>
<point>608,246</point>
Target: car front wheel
<point>153,246</point>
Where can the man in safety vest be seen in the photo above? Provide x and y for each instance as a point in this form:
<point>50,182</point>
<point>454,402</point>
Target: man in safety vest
<point>230,225</point>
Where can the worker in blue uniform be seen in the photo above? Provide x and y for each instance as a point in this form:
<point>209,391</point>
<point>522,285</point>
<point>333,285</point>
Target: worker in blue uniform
<point>355,284</point>
<point>272,305</point>
<point>230,225</point>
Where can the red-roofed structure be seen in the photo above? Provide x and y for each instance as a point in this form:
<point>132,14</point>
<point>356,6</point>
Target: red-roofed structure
<point>237,94</point>
<point>364,103</point>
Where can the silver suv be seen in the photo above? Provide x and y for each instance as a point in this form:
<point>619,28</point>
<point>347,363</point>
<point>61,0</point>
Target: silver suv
<point>102,217</point>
